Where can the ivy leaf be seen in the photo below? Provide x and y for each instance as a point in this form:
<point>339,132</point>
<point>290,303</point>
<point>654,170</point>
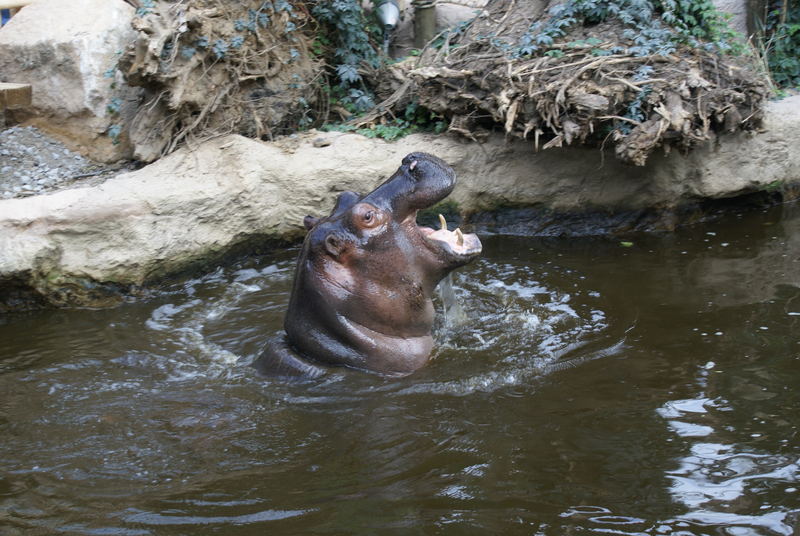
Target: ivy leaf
<point>220,48</point>
<point>348,73</point>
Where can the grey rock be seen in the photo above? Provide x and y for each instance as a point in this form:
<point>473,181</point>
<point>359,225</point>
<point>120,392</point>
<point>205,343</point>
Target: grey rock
<point>68,73</point>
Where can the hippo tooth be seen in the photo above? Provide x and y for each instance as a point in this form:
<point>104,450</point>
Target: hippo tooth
<point>412,165</point>
<point>459,237</point>
<point>443,222</point>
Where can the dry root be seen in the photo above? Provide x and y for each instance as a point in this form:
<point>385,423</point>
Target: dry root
<point>212,67</point>
<point>581,94</point>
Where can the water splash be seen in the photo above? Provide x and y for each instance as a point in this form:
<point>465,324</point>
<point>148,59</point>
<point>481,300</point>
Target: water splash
<point>454,315</point>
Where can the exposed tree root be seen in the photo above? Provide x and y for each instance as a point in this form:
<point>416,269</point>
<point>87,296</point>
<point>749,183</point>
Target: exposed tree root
<point>590,89</point>
<point>212,67</point>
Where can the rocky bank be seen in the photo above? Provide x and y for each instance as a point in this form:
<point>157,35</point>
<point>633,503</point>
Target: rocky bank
<point>89,246</point>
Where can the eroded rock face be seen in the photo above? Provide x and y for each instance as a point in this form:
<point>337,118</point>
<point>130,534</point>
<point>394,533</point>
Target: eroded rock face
<point>68,53</point>
<point>82,246</point>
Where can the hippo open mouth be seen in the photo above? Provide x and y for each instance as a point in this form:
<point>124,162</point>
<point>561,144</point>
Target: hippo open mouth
<point>365,277</point>
<point>454,244</point>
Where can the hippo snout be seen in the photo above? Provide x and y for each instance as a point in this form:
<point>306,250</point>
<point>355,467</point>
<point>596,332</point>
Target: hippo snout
<point>424,166</point>
<point>422,181</point>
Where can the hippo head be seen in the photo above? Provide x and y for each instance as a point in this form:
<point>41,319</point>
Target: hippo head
<point>366,273</point>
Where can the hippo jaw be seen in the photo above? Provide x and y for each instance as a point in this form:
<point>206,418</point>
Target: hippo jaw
<point>421,181</point>
<point>452,248</point>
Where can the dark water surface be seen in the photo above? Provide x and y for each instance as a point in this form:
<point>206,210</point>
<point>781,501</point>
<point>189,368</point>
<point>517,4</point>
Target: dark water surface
<point>595,389</point>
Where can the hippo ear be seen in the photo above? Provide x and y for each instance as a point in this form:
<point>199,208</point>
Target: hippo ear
<point>309,222</point>
<point>334,245</point>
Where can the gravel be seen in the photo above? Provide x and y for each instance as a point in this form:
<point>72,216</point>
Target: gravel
<point>32,163</point>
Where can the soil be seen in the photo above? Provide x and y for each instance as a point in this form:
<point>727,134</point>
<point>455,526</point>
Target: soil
<point>210,68</point>
<point>32,163</point>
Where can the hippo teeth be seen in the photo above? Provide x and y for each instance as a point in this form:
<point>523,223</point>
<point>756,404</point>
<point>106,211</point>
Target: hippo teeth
<point>457,232</point>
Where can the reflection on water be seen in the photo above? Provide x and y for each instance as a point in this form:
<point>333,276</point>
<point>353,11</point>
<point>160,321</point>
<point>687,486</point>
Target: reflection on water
<point>585,388</point>
<point>717,480</point>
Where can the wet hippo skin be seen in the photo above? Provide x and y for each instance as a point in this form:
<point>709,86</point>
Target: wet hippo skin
<point>365,276</point>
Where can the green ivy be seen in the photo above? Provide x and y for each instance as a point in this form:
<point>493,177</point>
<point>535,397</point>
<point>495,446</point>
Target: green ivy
<point>114,131</point>
<point>783,44</point>
<point>652,26</point>
<point>347,38</point>
<point>635,111</point>
<point>146,7</point>
<point>415,119</point>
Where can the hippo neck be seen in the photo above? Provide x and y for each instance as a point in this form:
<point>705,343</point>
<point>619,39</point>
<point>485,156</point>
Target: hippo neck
<point>395,355</point>
<point>399,307</point>
<point>338,340</point>
<point>330,324</point>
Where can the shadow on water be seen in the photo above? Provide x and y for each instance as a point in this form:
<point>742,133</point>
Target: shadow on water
<point>586,386</point>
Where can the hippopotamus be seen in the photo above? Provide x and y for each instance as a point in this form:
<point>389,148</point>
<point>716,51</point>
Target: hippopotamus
<point>364,279</point>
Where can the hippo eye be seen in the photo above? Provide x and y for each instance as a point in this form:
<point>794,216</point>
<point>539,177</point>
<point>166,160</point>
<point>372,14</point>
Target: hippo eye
<point>366,216</point>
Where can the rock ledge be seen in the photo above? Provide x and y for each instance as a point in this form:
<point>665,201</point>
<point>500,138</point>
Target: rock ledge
<point>90,246</point>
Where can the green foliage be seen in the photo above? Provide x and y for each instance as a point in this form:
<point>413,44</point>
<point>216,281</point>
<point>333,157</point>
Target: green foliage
<point>429,217</point>
<point>114,132</point>
<point>255,18</point>
<point>653,27</point>
<point>774,186</point>
<point>700,20</point>
<point>415,119</point>
<point>223,48</point>
<point>346,37</point>
<point>783,44</point>
<point>635,111</point>
<point>114,105</point>
<point>146,7</point>
<point>220,48</point>
<point>390,131</point>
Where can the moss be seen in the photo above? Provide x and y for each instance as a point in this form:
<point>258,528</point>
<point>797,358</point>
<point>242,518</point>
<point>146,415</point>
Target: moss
<point>449,209</point>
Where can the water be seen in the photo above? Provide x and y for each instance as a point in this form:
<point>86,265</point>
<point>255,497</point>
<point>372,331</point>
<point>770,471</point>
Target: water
<point>453,314</point>
<point>593,389</point>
